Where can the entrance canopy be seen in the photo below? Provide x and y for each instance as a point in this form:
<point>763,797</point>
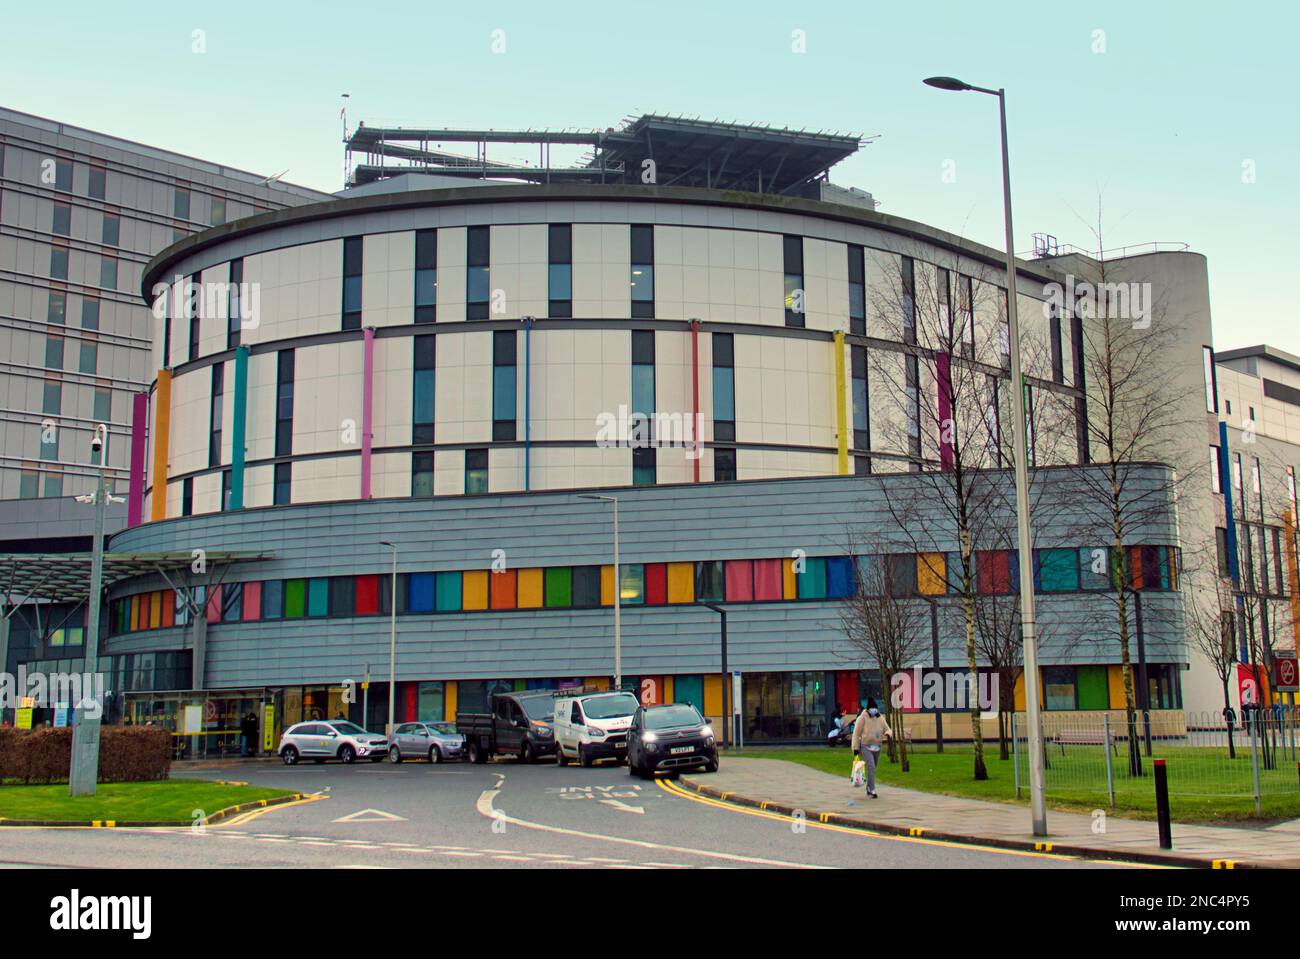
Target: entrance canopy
<point>65,577</point>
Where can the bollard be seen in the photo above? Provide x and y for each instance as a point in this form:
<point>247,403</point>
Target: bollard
<point>1162,805</point>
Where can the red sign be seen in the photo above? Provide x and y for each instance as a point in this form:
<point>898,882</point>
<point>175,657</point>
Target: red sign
<point>1286,674</point>
<point>1248,690</point>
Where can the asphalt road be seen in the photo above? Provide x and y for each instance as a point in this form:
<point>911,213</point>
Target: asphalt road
<point>499,815</point>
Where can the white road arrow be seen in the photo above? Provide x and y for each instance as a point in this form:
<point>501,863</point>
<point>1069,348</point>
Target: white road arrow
<point>371,815</point>
<point>624,807</point>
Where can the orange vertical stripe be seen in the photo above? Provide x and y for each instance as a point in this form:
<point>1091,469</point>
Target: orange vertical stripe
<point>162,433</point>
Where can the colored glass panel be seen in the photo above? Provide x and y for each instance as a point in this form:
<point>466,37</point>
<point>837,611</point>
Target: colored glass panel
<point>252,602</point>
<point>607,584</point>
<point>474,589</point>
<point>367,595</point>
<point>811,582</point>
<point>767,579</point>
<point>586,587</point>
<point>1094,688</point>
<point>169,607</point>
<point>448,591</point>
<point>931,574</point>
<point>531,593</point>
<point>212,607</point>
<point>631,587</point>
<point>681,582</point>
<point>839,577</point>
<point>739,580</point>
<point>318,597</point>
<point>502,587</point>
<point>710,585</point>
<point>295,598</point>
<point>789,585</point>
<point>155,610</point>
<point>1058,570</point>
<point>273,599</point>
<point>420,593</point>
<point>559,587</point>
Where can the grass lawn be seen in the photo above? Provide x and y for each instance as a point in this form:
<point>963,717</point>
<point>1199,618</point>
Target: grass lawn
<point>949,773</point>
<point>169,799</point>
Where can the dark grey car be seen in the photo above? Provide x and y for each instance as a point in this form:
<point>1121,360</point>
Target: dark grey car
<point>435,742</point>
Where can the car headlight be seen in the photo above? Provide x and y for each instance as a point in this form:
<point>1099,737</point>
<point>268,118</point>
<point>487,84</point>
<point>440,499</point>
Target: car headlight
<point>706,732</point>
<point>649,738</point>
<point>595,733</point>
<point>652,747</point>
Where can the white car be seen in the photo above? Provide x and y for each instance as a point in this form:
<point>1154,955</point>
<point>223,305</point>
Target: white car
<point>335,739</point>
<point>593,726</point>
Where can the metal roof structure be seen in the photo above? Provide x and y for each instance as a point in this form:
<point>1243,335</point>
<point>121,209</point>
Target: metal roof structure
<point>683,152</point>
<point>65,577</point>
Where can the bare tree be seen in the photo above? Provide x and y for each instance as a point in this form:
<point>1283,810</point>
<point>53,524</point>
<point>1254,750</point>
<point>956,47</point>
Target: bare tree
<point>884,631</point>
<point>1211,633</point>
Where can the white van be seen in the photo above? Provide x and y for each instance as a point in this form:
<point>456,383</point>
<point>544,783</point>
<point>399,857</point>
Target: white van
<point>591,726</point>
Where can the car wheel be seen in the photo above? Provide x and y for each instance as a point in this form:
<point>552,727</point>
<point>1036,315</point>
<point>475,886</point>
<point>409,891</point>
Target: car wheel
<point>290,756</point>
<point>435,755</point>
<point>346,753</point>
<point>711,766</point>
<point>584,758</point>
<point>525,753</point>
<point>560,758</point>
<point>394,754</point>
<point>476,754</point>
<point>631,768</point>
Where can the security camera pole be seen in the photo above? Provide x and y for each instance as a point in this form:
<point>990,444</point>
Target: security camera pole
<point>83,772</point>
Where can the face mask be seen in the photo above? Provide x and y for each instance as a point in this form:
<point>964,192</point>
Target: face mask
<point>873,712</point>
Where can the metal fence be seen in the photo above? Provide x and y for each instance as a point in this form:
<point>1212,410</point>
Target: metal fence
<point>1095,757</point>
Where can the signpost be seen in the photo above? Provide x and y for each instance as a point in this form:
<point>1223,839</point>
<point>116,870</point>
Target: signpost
<point>1286,674</point>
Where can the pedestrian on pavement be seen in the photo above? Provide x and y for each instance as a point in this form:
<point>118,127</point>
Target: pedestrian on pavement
<point>869,730</point>
<point>248,733</point>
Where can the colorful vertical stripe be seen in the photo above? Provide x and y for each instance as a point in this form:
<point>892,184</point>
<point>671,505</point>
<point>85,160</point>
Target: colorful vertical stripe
<point>162,432</point>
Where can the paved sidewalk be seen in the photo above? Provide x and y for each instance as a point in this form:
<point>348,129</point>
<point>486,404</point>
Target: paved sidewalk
<point>788,786</point>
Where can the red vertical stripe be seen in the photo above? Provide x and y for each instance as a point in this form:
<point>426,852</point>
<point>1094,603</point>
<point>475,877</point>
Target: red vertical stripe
<point>656,584</point>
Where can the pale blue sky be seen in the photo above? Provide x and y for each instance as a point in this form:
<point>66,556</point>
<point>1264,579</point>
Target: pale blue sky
<point>1159,124</point>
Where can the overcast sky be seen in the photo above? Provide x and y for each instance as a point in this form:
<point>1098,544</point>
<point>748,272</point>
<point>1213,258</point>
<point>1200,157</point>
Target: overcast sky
<point>1178,121</point>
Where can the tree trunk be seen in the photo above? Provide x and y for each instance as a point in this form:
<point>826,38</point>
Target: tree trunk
<point>1227,704</point>
<point>972,680</point>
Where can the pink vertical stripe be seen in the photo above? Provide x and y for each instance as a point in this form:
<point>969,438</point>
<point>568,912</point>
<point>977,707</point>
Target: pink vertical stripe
<point>740,580</point>
<point>252,601</point>
<point>943,377</point>
<point>367,408</point>
<point>767,579</point>
<point>135,487</point>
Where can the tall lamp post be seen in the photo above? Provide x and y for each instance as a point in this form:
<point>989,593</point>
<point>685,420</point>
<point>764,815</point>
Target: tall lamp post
<point>728,733</point>
<point>618,589</point>
<point>1029,625</point>
<point>83,770</point>
<point>392,642</point>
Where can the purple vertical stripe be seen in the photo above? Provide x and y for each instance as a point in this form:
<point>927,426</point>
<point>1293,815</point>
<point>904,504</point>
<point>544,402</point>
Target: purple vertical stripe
<point>943,377</point>
<point>367,406</point>
<point>135,489</point>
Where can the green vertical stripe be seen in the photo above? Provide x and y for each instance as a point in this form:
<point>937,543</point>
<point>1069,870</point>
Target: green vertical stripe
<point>559,586</point>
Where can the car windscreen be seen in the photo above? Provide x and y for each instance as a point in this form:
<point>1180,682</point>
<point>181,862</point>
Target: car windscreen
<point>610,707</point>
<point>537,707</point>
<point>446,728</point>
<point>671,717</point>
<point>348,729</point>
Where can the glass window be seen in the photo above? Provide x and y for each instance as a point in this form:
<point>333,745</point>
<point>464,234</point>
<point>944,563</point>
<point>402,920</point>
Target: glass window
<point>52,398</point>
<point>59,263</point>
<point>642,271</point>
<point>181,204</point>
<point>62,223</point>
<point>103,405</point>
<point>1059,687</point>
<point>724,466</point>
<point>218,216</point>
<point>89,360</point>
<point>112,230</point>
<point>108,272</point>
<point>56,310</point>
<point>352,266</point>
<point>477,276</point>
<point>426,276</point>
<point>54,352</point>
<point>89,314</point>
<point>559,586</point>
<point>710,580</point>
<point>476,471</point>
<point>795,306</point>
<point>1058,570</point>
<point>631,588</point>
<point>643,466</point>
<point>98,182</point>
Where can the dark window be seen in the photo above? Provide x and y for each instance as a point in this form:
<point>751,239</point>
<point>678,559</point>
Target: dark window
<point>724,391</point>
<point>56,310</point>
<point>233,303</point>
<point>352,283</point>
<point>724,465</point>
<point>861,410</point>
<point>52,398</point>
<point>422,474</point>
<point>422,389</point>
<point>643,388</point>
<point>342,591</point>
<point>282,483</point>
<point>966,315</point>
<point>908,278</point>
<point>108,272</point>
<point>187,496</point>
<point>215,414</point>
<point>426,276</point>
<point>193,300</point>
<point>89,357</point>
<point>643,466</point>
<point>504,385</point>
<point>225,490</point>
<point>857,291</point>
<point>1058,357</point>
<point>58,263</point>
<point>478,291</point>
<point>112,230</point>
<point>284,403</point>
<point>98,182</point>
<point>476,471</point>
<point>54,352</point>
<point>181,204</point>
<point>103,405</point>
<point>643,271</point>
<point>795,307</point>
<point>62,224</point>
<point>89,314</point>
<point>559,270</point>
<point>63,176</point>
<point>709,583</point>
<point>586,586</point>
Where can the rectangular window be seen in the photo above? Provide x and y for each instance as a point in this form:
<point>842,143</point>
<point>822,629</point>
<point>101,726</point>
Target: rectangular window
<point>1004,332</point>
<point>586,587</point>
<point>53,485</point>
<point>225,490</point>
<point>476,471</point>
<point>1058,356</point>
<point>724,466</point>
<point>422,474</point>
<point>63,176</point>
<point>88,361</point>
<point>295,598</point>
<point>273,599</point>
<point>1094,568</point>
<point>1058,570</point>
<point>1216,481</point>
<point>422,390</point>
<point>89,314</point>
<point>908,281</point>
<point>234,314</point>
<point>1059,687</point>
<point>478,282</point>
<point>643,466</point>
<point>911,372</point>
<point>111,233</point>
<point>352,283</point>
<point>215,414</point>
<point>710,581</point>
<point>59,263</point>
<point>966,315</point>
<point>643,387</point>
<point>283,483</point>
<point>426,276</point>
<point>181,204</point>
<point>218,216</point>
<point>643,271</point>
<point>187,496</point>
<point>1211,387</point>
<point>97,189</point>
<point>193,304</point>
<point>559,586</point>
<point>559,270</point>
<point>62,220</point>
<point>284,403</point>
<point>724,388</point>
<point>857,291</point>
<point>54,352</point>
<point>52,398</point>
<point>108,272</point>
<point>318,597</point>
<point>792,252</point>
<point>29,485</point>
<point>504,384</point>
<point>56,311</point>
<point>861,419</point>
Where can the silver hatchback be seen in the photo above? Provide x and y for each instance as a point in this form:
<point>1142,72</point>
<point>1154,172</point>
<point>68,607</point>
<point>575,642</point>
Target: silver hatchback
<point>432,741</point>
<point>335,739</point>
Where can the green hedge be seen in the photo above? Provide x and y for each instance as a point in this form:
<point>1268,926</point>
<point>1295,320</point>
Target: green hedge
<point>126,754</point>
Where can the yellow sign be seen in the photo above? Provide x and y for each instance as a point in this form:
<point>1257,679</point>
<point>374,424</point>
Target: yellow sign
<point>27,702</point>
<point>268,728</point>
<point>24,720</point>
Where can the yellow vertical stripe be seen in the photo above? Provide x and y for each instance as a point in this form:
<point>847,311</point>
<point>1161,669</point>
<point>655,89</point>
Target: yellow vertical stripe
<point>681,582</point>
<point>596,682</point>
<point>789,588</point>
<point>668,690</point>
<point>931,575</point>
<point>607,585</point>
<point>841,419</point>
<point>155,610</point>
<point>1115,681</point>
<point>162,417</point>
<point>713,695</point>
<point>449,694</point>
<point>530,589</point>
<point>474,589</point>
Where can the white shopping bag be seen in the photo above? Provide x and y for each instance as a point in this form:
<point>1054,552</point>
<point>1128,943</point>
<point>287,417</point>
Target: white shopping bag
<point>859,770</point>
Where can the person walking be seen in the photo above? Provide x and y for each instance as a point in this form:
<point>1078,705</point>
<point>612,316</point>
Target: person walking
<point>869,730</point>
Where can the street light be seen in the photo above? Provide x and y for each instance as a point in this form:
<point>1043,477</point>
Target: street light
<point>1029,625</point>
<point>728,733</point>
<point>83,769</point>
<point>618,584</point>
<point>392,642</point>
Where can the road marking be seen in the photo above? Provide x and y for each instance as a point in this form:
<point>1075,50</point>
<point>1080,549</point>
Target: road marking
<point>623,807</point>
<point>371,815</point>
<point>485,809</point>
<point>514,858</point>
<point>253,814</point>
<point>467,855</point>
<point>683,793</point>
